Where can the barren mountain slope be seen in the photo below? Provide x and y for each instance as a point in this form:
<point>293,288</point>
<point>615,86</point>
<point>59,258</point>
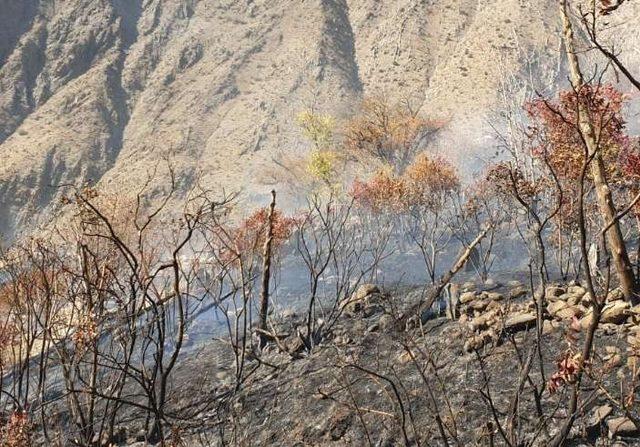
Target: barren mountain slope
<point>101,90</point>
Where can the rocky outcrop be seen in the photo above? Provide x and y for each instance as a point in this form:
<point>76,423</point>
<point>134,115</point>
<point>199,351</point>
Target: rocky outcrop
<point>488,317</point>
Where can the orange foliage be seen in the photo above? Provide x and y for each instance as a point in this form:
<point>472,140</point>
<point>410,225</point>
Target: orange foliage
<point>567,373</point>
<point>250,236</point>
<point>609,6</point>
<point>504,179</point>
<point>389,134</point>
<point>555,129</point>
<point>630,165</point>
<point>86,332</point>
<point>17,431</point>
<point>426,183</point>
<point>630,161</point>
<point>384,192</point>
<point>430,180</point>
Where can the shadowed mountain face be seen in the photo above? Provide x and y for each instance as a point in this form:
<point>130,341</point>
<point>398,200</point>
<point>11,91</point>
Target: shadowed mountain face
<point>100,91</point>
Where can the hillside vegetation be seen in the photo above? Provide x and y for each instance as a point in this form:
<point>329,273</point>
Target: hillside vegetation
<point>227,224</point>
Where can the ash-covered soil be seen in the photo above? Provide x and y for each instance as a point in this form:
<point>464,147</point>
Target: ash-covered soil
<point>371,382</point>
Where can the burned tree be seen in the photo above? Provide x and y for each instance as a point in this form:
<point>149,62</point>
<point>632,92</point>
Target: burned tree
<point>588,132</point>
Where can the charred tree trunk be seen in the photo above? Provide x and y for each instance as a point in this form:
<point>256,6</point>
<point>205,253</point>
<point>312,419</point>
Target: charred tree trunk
<point>445,279</point>
<point>266,272</point>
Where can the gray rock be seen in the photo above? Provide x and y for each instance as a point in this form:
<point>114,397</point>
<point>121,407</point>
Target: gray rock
<point>358,300</point>
<point>520,322</point>
<point>518,292</point>
<point>615,312</point>
<point>556,307</point>
<point>386,322</point>
<point>576,290</point>
<point>597,416</point>
<point>554,291</point>
<point>621,426</point>
<point>467,297</point>
<point>615,295</point>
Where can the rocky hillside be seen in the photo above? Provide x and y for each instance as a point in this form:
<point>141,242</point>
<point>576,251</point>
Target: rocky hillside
<point>101,90</point>
<point>444,372</point>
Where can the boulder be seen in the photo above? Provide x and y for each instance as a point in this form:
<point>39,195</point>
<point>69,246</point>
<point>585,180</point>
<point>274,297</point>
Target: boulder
<point>357,301</point>
<point>480,340</point>
<point>353,307</point>
<point>585,321</point>
<point>615,312</point>
<point>587,299</point>
<point>576,290</point>
<point>479,305</point>
<point>468,286</point>
<point>570,312</point>
<point>529,305</point>
<point>549,326</point>
<point>371,310</point>
<point>452,301</point>
<point>490,284</point>
<point>482,322</point>
<point>494,305</point>
<point>598,415</point>
<point>364,291</point>
<point>565,311</point>
<point>621,426</point>
<point>520,322</point>
<point>518,292</point>
<point>556,307</point>
<point>494,296</point>
<point>634,315</point>
<point>571,299</point>
<point>615,295</point>
<point>467,297</point>
<point>554,291</point>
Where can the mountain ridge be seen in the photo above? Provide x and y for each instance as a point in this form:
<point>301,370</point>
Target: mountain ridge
<point>99,91</point>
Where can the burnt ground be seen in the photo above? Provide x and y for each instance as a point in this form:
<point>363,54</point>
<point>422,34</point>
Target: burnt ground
<point>361,386</point>
<point>370,382</point>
